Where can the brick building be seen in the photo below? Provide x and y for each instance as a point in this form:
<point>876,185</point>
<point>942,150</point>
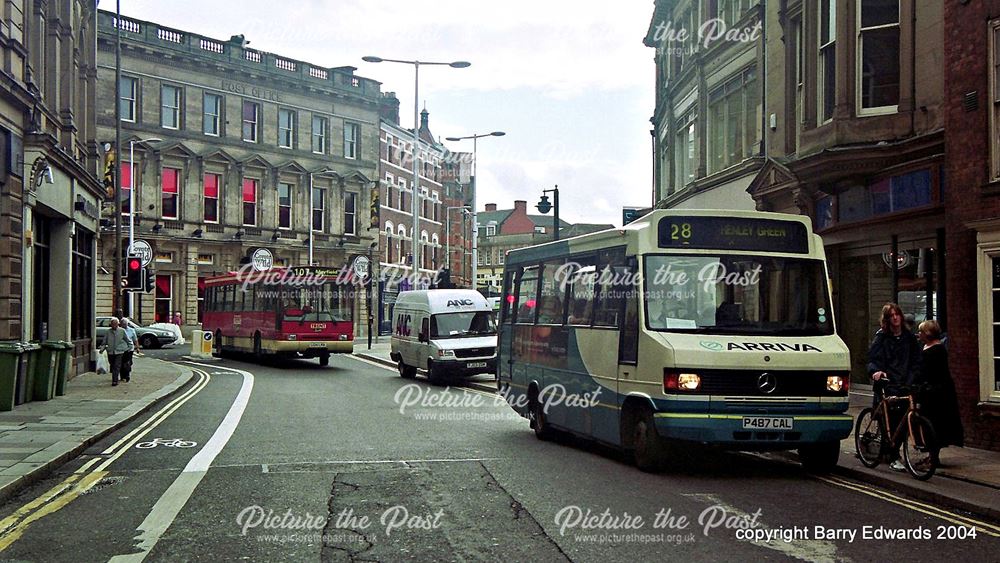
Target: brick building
<point>253,150</point>
<point>501,230</point>
<point>972,212</point>
<point>50,191</point>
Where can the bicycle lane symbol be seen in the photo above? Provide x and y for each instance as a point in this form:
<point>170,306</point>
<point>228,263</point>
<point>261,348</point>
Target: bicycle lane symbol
<point>169,443</point>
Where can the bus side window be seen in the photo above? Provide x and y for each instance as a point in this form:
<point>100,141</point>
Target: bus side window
<point>580,292</point>
<point>550,307</point>
<point>527,296</point>
<point>506,314</point>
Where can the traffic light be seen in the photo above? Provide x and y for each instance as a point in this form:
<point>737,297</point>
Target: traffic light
<point>133,272</point>
<point>149,276</point>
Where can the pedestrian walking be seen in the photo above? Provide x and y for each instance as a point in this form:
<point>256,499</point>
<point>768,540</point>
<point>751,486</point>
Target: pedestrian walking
<point>940,402</point>
<point>133,343</point>
<point>116,344</point>
<point>893,360</point>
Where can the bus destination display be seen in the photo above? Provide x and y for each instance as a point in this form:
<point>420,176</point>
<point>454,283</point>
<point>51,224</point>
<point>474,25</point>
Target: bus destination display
<point>733,233</point>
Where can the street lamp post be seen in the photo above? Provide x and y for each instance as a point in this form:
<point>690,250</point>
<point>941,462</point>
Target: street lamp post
<point>131,205</point>
<point>415,185</point>
<point>475,179</point>
<point>544,206</point>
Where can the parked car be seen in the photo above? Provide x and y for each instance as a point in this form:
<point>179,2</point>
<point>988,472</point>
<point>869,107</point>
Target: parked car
<point>148,337</point>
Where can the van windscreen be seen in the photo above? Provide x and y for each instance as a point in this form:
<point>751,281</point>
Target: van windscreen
<point>450,325</point>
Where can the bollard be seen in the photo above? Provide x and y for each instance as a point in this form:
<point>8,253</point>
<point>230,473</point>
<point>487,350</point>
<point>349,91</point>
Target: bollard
<point>202,342</point>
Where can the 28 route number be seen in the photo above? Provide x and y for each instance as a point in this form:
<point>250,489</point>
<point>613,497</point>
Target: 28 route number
<point>680,232</point>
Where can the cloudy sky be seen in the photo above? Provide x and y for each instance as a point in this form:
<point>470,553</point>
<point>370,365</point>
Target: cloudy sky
<point>569,81</point>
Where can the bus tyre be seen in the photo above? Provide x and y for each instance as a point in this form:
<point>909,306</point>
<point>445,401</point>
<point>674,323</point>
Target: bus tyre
<point>217,352</point>
<point>648,448</point>
<point>406,372</point>
<point>539,422</point>
<point>819,458</point>
<point>324,360</point>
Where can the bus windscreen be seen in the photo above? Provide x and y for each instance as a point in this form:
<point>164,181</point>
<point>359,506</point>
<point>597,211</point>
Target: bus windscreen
<point>329,302</point>
<point>737,294</point>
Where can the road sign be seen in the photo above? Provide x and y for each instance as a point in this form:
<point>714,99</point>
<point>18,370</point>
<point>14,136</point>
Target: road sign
<point>144,251</point>
<point>630,214</point>
<point>262,259</point>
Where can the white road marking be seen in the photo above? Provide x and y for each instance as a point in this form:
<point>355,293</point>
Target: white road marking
<point>176,496</point>
<point>263,468</point>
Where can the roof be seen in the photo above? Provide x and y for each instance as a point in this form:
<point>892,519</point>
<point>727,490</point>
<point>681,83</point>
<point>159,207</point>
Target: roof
<point>483,218</point>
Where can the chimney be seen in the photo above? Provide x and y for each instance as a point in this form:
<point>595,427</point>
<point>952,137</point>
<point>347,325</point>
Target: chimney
<point>388,108</point>
<point>520,207</point>
<point>491,207</point>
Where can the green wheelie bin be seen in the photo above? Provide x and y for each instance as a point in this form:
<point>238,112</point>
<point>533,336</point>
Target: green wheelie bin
<point>43,387</point>
<point>26,385</point>
<point>64,358</point>
<point>13,363</point>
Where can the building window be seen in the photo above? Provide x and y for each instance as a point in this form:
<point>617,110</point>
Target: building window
<point>685,151</point>
<point>170,107</point>
<point>251,119</point>
<point>129,93</point>
<point>211,118</point>
<point>491,230</point>
<point>350,216</point>
<point>82,288</point>
<point>126,175</point>
<point>212,183</point>
<point>249,202</point>
<point>733,121</point>
<point>402,195</point>
<point>206,259</point>
<point>285,205</point>
<point>164,303</point>
<point>827,73</point>
<point>388,243</point>
<point>318,209</point>
<point>319,134</point>
<point>878,54</point>
<point>169,193</point>
<point>286,128</point>
<point>352,136</point>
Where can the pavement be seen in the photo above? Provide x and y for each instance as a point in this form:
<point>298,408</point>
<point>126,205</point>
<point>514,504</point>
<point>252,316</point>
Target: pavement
<point>38,437</point>
<point>967,480</point>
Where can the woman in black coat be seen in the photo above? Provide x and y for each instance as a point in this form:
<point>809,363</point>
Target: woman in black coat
<point>939,403</point>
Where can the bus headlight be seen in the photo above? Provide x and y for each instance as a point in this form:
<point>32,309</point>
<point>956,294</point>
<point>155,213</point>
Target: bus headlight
<point>836,383</point>
<point>446,353</point>
<point>675,381</point>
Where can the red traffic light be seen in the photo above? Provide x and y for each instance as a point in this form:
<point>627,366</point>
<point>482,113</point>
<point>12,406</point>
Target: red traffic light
<point>134,264</point>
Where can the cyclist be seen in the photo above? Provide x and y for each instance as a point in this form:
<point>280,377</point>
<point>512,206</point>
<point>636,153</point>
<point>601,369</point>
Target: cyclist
<point>893,361</point>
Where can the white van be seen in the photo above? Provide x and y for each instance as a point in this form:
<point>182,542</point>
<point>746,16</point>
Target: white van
<point>448,332</point>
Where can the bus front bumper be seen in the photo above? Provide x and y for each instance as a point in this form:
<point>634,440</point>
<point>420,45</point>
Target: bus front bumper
<point>309,349</point>
<point>732,431</point>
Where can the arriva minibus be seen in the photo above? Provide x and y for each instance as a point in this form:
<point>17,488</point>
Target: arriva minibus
<point>682,327</point>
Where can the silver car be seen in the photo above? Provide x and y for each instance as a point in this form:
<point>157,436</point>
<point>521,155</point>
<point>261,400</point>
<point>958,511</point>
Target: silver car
<point>148,337</point>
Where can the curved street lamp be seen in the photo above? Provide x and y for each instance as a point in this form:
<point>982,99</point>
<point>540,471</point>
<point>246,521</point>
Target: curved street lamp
<point>415,199</point>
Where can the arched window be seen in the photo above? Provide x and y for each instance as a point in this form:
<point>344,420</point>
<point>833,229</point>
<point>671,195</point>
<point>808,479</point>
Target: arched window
<point>388,241</point>
<point>436,246</point>
<point>402,243</point>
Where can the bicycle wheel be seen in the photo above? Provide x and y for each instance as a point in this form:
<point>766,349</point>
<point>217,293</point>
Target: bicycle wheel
<point>869,438</point>
<point>920,451</point>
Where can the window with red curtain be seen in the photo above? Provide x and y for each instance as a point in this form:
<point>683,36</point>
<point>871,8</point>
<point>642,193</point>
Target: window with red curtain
<point>169,188</point>
<point>212,198</point>
<point>126,176</point>
<point>250,202</point>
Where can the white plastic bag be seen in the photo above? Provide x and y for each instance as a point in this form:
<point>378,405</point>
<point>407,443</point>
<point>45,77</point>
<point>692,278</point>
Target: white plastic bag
<point>103,365</point>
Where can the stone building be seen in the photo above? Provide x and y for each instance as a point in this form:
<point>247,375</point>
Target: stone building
<point>49,160</point>
<point>501,230</point>
<point>253,151</point>
<point>707,123</point>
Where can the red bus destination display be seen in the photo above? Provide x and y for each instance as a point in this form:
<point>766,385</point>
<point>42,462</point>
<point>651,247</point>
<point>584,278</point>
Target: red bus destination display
<point>731,233</point>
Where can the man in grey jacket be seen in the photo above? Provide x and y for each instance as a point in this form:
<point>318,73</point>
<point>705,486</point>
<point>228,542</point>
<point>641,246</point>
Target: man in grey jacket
<point>116,342</point>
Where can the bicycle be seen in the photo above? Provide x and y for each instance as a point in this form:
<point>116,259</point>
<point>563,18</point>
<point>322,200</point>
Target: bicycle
<point>914,432</point>
<point>170,443</point>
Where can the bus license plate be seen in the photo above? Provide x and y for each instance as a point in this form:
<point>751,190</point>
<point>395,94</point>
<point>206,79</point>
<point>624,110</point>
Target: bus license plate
<point>767,422</point>
<point>475,365</point>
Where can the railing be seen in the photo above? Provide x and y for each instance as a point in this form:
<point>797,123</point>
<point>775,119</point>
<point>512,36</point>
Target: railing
<point>252,56</point>
<point>215,228</point>
<point>169,35</point>
<point>127,25</point>
<point>284,64</point>
<point>318,73</point>
<point>213,46</point>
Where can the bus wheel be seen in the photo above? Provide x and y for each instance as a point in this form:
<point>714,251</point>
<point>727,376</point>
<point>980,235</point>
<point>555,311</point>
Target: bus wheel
<point>820,458</point>
<point>324,360</point>
<point>406,372</point>
<point>543,431</point>
<point>218,344</point>
<point>648,448</point>
<point>258,354</point>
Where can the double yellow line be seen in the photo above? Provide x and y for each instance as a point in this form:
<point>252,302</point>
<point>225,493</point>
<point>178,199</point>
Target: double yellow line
<point>14,526</point>
<point>929,510</point>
